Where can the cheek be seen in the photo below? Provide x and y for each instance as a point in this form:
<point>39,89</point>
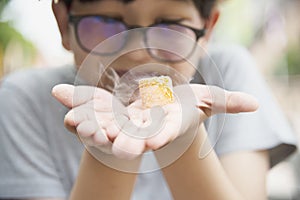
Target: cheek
<point>88,65</point>
<point>188,68</point>
<point>185,69</point>
<point>201,48</point>
<point>79,54</point>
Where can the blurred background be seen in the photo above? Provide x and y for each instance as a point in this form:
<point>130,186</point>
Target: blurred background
<point>270,29</point>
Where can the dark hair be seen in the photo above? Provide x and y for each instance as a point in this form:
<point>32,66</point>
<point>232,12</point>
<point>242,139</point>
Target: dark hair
<point>204,6</point>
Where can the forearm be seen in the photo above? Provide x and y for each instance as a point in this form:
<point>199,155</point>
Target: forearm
<point>97,181</point>
<point>192,178</point>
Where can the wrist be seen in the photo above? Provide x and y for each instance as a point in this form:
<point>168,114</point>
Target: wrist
<point>184,147</point>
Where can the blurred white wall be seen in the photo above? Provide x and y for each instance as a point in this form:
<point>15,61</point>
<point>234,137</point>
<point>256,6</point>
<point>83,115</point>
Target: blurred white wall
<point>35,20</point>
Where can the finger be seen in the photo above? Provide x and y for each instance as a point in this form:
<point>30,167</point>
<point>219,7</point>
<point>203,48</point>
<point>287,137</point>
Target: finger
<point>100,105</point>
<point>70,128</point>
<point>64,94</point>
<point>92,135</point>
<point>213,100</point>
<point>167,134</point>
<point>136,113</point>
<point>172,108</point>
<point>79,114</point>
<point>72,96</point>
<point>69,122</point>
<point>87,129</point>
<point>85,132</point>
<point>135,110</point>
<point>114,126</point>
<point>126,147</point>
<point>100,138</point>
<point>138,104</point>
<point>240,102</point>
<point>139,116</point>
<point>87,112</point>
<point>153,121</point>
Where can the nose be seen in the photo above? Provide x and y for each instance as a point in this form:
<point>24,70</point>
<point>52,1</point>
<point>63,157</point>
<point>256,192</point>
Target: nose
<point>139,56</point>
<point>135,49</point>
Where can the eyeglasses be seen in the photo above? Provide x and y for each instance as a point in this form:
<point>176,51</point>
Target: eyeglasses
<point>164,41</point>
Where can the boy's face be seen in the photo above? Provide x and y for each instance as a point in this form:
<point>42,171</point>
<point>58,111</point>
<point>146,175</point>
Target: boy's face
<point>139,13</point>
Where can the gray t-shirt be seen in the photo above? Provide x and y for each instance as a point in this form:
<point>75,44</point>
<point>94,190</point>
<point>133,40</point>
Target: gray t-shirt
<point>40,158</point>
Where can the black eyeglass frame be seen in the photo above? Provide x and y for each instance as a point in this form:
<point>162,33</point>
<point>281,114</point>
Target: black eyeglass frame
<point>75,19</point>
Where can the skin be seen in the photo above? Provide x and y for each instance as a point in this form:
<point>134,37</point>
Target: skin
<point>209,178</point>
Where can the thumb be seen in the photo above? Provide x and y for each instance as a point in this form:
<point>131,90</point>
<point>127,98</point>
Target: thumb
<point>213,100</point>
<point>64,94</point>
<point>240,102</point>
<point>73,96</point>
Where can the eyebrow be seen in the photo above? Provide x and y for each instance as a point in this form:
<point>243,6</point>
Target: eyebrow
<point>124,1</point>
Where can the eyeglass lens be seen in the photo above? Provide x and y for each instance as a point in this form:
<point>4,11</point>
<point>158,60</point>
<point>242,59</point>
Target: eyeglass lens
<point>93,30</point>
<point>168,42</point>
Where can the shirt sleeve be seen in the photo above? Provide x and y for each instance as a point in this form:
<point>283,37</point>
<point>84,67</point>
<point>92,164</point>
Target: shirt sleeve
<point>27,169</point>
<point>267,128</point>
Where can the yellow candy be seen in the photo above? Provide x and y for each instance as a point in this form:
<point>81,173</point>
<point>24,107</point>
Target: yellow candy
<point>156,91</point>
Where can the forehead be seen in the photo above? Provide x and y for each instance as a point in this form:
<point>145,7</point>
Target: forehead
<point>123,1</point>
<point>185,9</point>
<point>91,4</point>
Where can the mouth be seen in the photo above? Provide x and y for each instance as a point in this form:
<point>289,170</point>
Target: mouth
<point>130,74</point>
<point>121,72</point>
<point>138,73</point>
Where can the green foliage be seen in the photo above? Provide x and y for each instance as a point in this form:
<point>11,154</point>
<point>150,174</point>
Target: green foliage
<point>8,34</point>
<point>3,3</point>
<point>293,60</point>
<point>291,64</point>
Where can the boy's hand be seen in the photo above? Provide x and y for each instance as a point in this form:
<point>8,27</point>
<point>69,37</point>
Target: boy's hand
<point>102,121</point>
<point>98,119</point>
<point>193,104</point>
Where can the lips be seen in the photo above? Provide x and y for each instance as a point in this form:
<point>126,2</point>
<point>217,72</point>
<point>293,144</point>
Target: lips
<point>131,74</point>
<point>121,72</point>
<point>138,73</point>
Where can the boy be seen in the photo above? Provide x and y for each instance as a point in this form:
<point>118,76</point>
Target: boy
<point>42,158</point>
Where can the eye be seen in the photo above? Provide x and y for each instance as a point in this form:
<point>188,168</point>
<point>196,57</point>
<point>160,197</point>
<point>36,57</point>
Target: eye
<point>169,21</point>
<point>111,19</point>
